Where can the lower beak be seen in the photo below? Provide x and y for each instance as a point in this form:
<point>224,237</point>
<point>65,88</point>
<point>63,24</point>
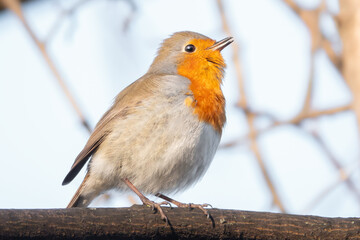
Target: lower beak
<point>220,45</point>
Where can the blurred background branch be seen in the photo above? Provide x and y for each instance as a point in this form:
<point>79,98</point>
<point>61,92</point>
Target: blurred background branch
<point>15,7</point>
<point>242,103</point>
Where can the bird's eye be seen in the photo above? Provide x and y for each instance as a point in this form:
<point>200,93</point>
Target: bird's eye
<point>190,48</point>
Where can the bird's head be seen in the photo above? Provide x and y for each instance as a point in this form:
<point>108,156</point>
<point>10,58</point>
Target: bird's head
<point>197,58</point>
<point>190,54</point>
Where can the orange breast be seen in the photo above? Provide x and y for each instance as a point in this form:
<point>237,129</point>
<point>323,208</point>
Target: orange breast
<point>205,86</point>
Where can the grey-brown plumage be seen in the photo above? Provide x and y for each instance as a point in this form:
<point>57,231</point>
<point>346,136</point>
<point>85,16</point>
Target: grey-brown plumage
<point>151,136</point>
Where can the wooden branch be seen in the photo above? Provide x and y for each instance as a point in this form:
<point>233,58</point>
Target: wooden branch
<point>138,222</point>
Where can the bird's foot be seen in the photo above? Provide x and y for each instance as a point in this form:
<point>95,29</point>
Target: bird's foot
<point>156,207</point>
<point>199,206</point>
<point>187,205</point>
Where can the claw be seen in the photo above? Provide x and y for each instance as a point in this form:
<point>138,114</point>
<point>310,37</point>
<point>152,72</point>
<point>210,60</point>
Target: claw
<point>200,206</point>
<point>206,205</point>
<point>156,207</point>
<point>187,205</point>
<point>165,203</point>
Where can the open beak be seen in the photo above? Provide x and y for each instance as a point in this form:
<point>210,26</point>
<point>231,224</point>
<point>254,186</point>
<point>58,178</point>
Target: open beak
<point>220,45</point>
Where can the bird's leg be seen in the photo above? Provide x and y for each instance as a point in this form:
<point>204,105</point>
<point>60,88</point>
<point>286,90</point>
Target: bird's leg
<point>147,201</point>
<point>186,205</point>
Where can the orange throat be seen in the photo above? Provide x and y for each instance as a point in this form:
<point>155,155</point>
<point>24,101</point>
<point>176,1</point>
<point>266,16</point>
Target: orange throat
<point>205,94</point>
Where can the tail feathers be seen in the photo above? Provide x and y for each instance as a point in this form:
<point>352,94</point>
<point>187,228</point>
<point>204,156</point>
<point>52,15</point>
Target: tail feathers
<point>78,199</point>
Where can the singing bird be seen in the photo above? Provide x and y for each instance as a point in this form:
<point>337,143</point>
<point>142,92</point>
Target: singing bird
<point>162,131</point>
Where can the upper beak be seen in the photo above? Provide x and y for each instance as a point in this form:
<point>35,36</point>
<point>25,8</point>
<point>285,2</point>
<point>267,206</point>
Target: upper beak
<point>220,45</point>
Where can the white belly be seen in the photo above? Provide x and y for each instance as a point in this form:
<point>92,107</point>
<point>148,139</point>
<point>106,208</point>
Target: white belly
<point>161,148</point>
<point>161,159</point>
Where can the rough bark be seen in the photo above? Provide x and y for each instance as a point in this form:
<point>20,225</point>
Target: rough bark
<point>138,222</point>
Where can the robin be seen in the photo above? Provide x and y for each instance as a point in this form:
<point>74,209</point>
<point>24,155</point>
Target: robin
<point>162,131</point>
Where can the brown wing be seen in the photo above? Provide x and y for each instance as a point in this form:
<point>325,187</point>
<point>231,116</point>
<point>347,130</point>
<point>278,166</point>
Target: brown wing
<point>96,138</point>
<point>127,99</point>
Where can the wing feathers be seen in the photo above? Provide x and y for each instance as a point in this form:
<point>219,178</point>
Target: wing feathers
<point>125,103</point>
<point>81,159</point>
<point>96,138</point>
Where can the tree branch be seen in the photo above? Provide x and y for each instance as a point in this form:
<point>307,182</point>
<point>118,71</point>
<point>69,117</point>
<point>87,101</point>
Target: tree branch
<point>138,222</point>
<point>15,7</point>
<point>3,6</point>
<point>243,104</point>
<point>349,28</point>
<point>294,121</point>
<point>311,20</point>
